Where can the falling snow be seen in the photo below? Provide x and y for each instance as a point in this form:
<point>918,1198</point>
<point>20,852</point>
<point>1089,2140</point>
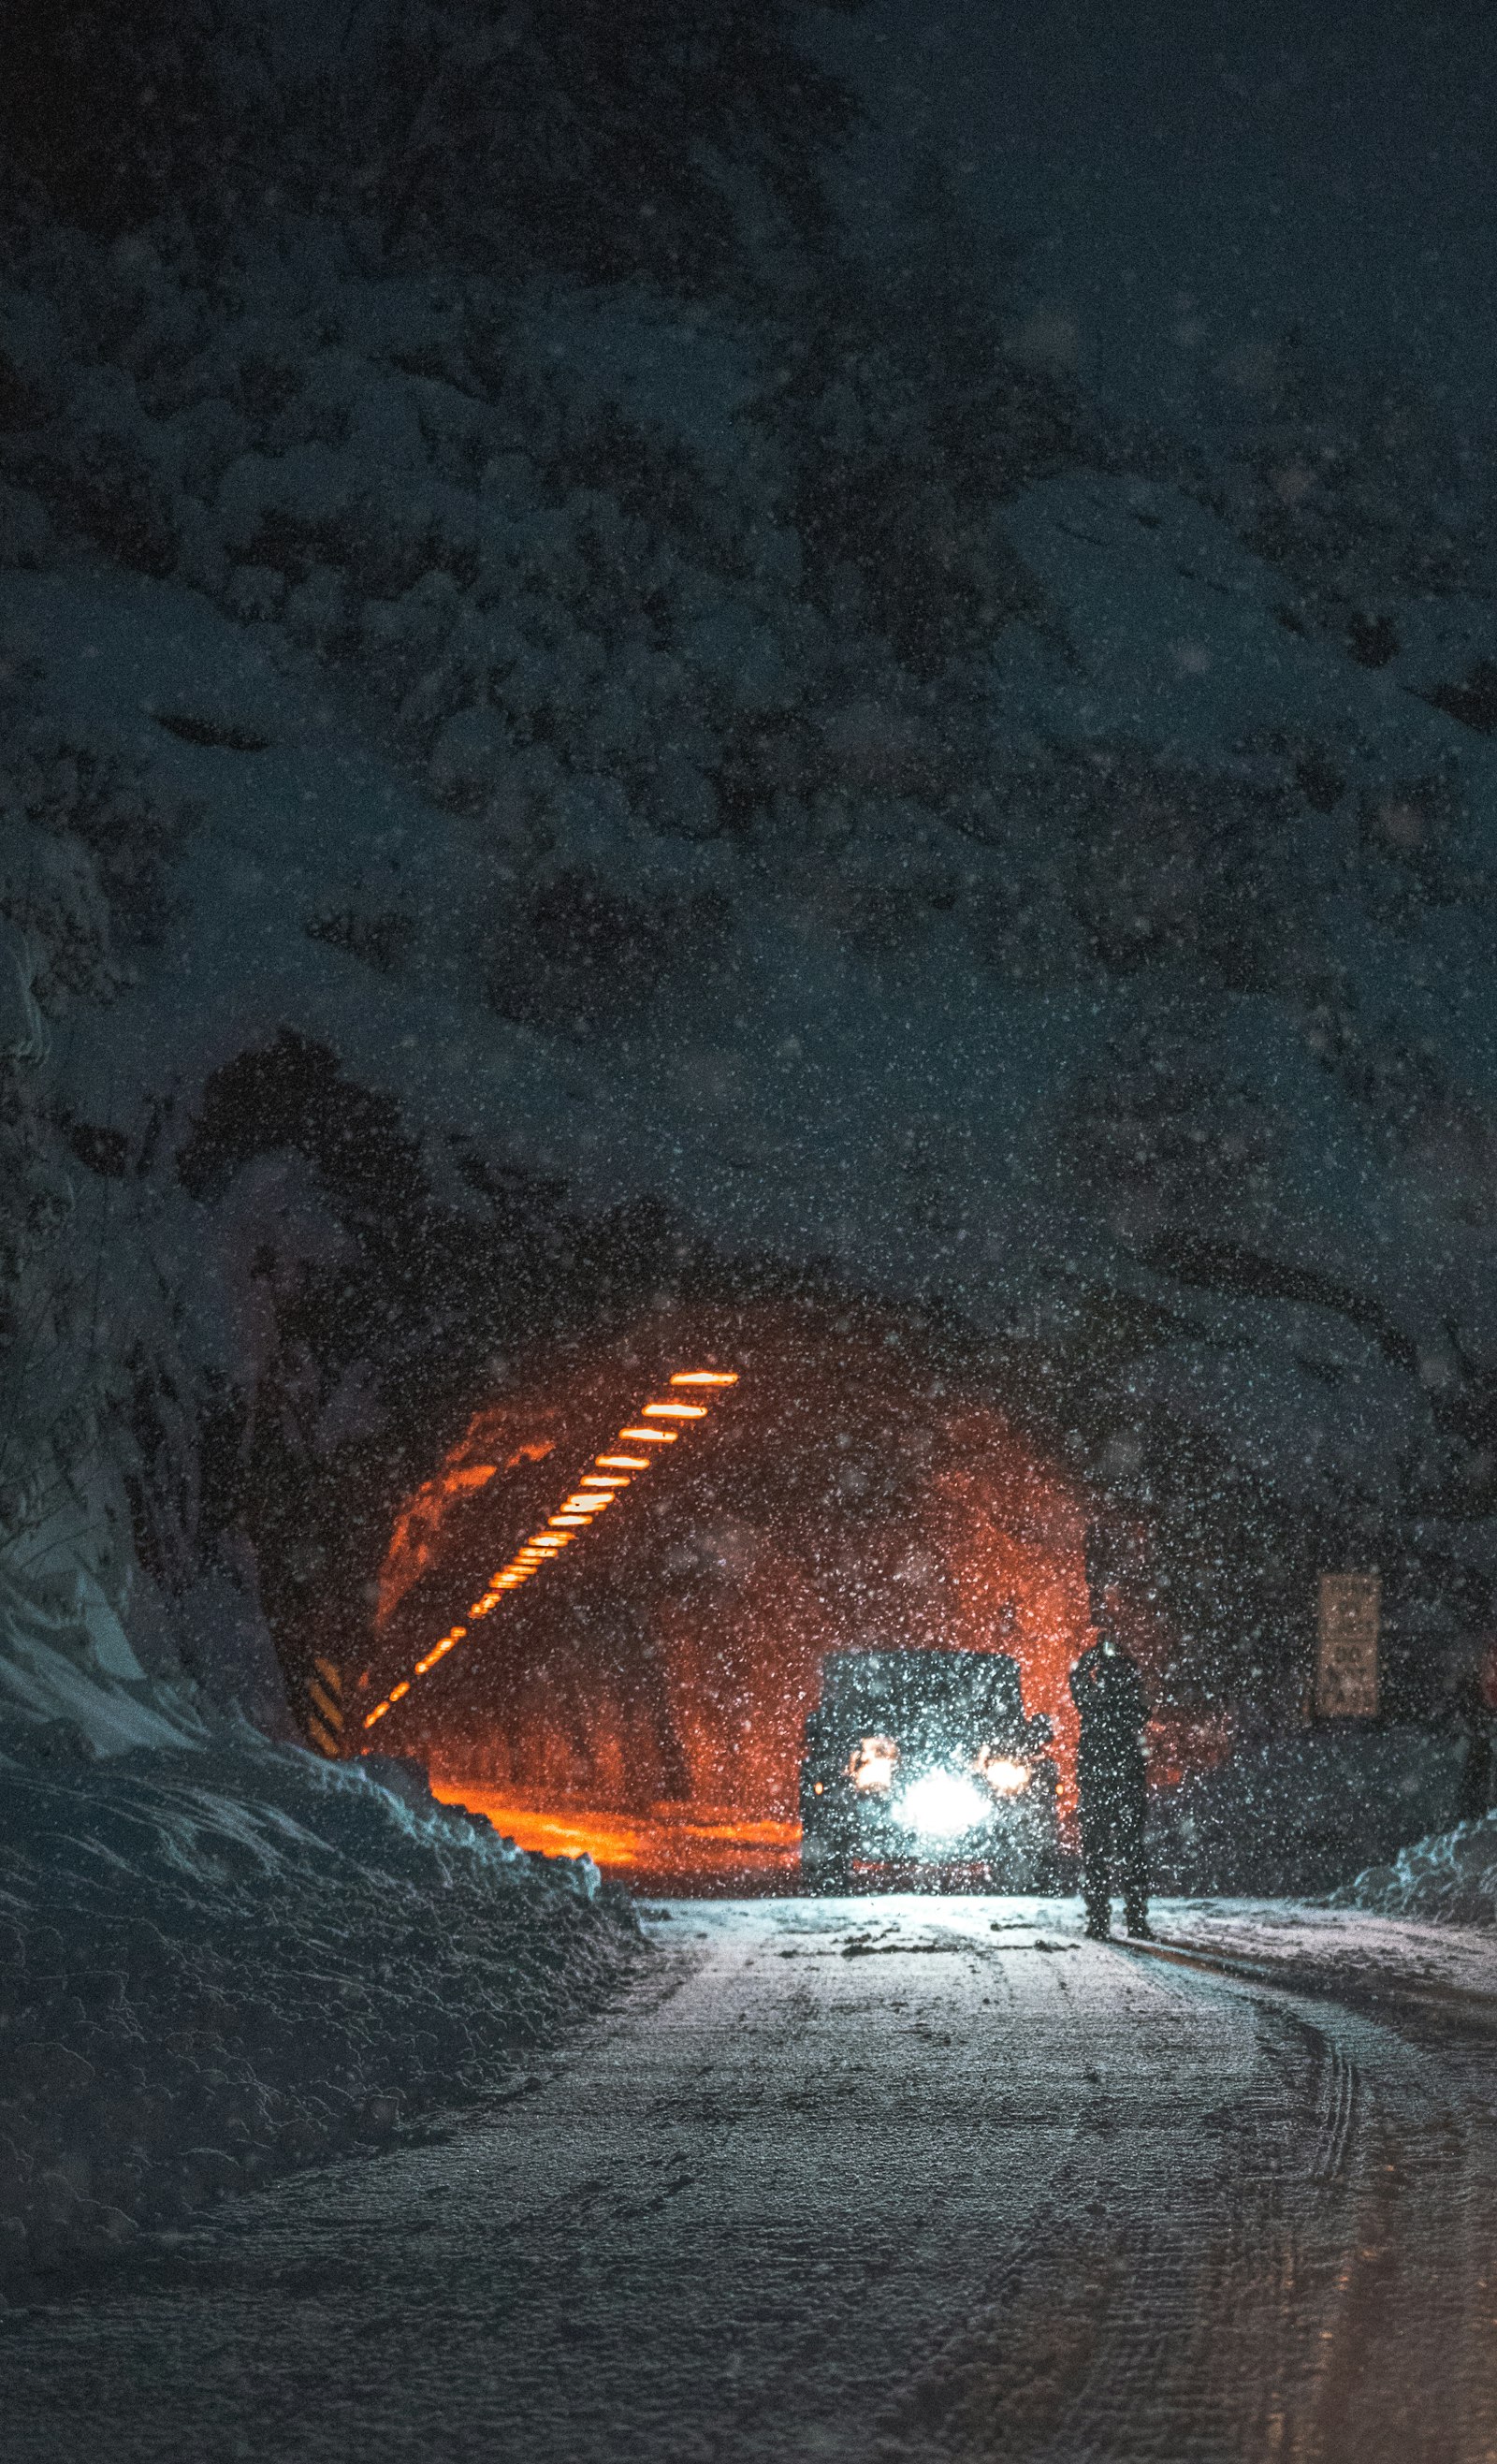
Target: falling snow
<point>805,702</point>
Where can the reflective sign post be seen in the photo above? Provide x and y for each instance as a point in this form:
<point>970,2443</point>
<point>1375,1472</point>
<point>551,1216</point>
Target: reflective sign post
<point>1346,1666</point>
<point>325,1708</point>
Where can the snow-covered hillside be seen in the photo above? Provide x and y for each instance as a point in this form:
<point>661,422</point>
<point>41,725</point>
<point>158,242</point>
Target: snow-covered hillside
<point>551,763</point>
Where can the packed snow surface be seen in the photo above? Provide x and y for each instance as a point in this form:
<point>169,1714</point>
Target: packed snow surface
<point>864,2180</point>
<point>217,1963</point>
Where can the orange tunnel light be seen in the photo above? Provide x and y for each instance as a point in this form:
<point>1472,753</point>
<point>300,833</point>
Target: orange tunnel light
<point>578,1511</point>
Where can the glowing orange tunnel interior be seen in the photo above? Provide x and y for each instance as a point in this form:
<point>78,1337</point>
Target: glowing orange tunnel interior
<point>643,1695</point>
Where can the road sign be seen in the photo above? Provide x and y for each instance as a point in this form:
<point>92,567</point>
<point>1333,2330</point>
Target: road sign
<point>1346,1668</point>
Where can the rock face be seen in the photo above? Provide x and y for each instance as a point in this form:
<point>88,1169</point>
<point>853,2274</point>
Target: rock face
<point>556,763</point>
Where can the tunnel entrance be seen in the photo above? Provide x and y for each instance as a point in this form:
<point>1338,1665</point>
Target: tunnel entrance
<point>602,1620</point>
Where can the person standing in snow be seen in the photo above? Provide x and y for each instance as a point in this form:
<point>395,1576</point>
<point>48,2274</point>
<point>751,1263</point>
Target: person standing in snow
<point>1107,1692</point>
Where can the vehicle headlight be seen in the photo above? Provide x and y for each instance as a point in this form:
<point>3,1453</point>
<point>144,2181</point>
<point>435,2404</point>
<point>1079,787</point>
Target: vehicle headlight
<point>1004,1776</point>
<point>943,1805</point>
<point>871,1762</point>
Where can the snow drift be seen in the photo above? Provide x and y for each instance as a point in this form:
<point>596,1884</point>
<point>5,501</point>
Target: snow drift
<point>218,1962</point>
<point>1450,1875</point>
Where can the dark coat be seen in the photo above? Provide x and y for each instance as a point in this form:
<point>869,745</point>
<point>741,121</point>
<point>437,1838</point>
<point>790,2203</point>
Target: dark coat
<point>1107,1692</point>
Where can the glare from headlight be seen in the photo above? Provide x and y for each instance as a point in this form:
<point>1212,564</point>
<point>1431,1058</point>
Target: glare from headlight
<point>871,1763</point>
<point>1006,1777</point>
<point>942,1806</point>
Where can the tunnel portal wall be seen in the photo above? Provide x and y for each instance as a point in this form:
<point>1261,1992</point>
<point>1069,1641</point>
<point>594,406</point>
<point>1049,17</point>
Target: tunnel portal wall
<point>851,1492</point>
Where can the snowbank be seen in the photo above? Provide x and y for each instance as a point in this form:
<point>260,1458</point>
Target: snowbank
<point>216,1965</point>
<point>1451,1875</point>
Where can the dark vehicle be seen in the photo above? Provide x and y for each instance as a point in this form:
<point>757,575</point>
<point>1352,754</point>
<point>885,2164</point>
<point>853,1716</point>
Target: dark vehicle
<point>924,1759</point>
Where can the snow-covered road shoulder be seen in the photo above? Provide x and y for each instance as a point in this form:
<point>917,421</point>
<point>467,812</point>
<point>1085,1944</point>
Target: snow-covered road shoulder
<point>1336,1949</point>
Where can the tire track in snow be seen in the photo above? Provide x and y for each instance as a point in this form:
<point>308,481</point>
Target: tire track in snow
<point>1327,2298</point>
<point>1405,2369</point>
<point>891,2210</point>
<point>1380,2253</point>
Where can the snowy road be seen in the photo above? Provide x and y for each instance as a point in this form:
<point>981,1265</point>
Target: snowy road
<point>875,2179</point>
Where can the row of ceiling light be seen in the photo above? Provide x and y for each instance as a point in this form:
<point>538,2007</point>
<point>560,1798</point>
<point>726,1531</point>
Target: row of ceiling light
<point>658,1424</point>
